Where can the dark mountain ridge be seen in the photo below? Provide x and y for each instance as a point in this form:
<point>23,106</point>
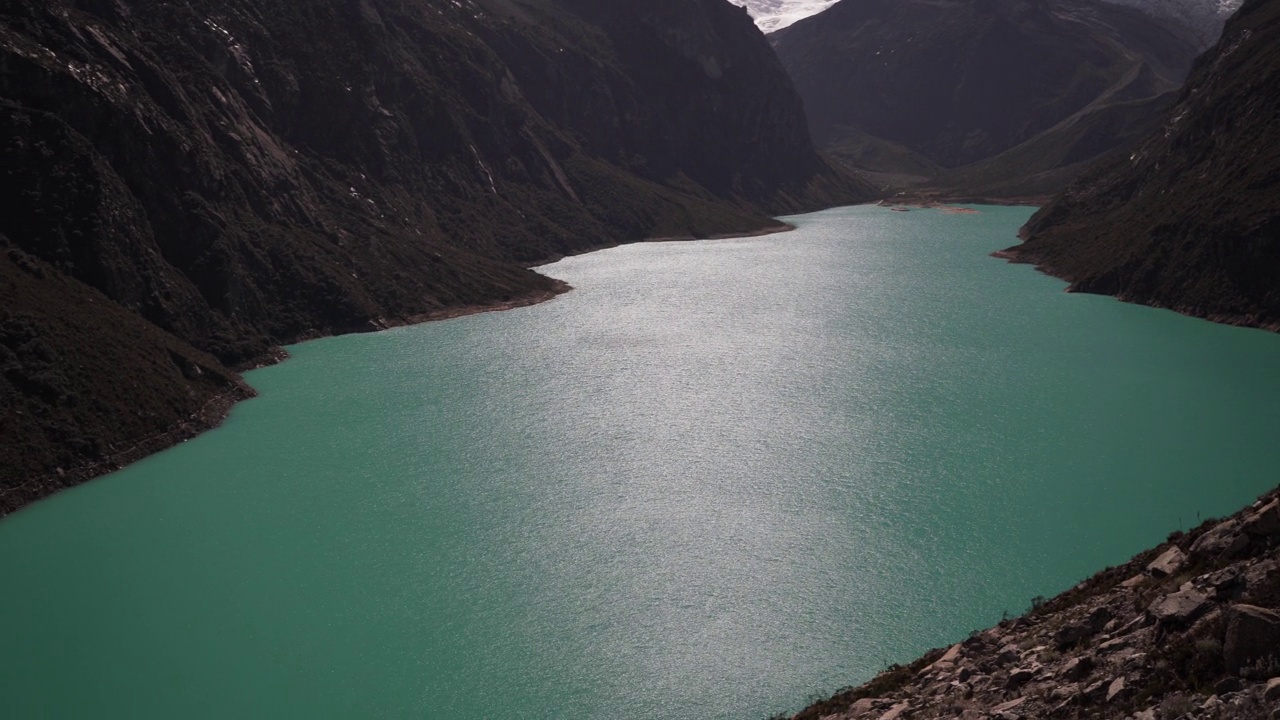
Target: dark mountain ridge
<point>1016,93</point>
<point>1190,220</point>
<point>238,175</point>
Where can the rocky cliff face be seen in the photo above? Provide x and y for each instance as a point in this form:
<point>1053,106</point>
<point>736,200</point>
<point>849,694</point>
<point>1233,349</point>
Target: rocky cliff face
<point>1187,630</point>
<point>1009,94</point>
<point>1190,220</point>
<point>229,176</point>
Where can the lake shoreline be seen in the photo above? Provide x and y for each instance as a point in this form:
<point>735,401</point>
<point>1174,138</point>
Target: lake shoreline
<point>212,414</point>
<point>218,407</point>
<point>1014,256</point>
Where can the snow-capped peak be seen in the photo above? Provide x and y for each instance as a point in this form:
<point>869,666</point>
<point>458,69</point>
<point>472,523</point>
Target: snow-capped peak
<point>773,15</point>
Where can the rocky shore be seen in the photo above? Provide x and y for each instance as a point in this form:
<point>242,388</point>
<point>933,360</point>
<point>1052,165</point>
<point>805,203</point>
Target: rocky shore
<point>1187,630</point>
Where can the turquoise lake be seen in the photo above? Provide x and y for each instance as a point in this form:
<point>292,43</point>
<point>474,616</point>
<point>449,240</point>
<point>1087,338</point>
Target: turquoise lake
<point>716,480</point>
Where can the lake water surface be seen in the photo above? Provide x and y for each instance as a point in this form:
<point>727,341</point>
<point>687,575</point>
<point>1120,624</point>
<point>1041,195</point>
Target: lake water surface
<point>714,481</point>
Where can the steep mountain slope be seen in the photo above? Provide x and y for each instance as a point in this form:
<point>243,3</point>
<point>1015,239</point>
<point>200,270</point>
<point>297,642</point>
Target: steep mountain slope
<point>243,174</point>
<point>1191,219</point>
<point>947,83</point>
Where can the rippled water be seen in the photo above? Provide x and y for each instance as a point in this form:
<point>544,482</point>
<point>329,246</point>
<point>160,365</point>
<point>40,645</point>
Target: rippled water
<point>715,480</point>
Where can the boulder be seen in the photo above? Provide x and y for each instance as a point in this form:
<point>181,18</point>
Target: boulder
<point>1062,692</point>
<point>1265,522</point>
<point>1008,654</point>
<point>1180,607</point>
<point>1134,581</point>
<point>863,706</point>
<point>1072,634</point>
<point>1222,540</point>
<point>1118,689</point>
<point>1115,644</point>
<point>1168,563</point>
<point>946,663</point>
<point>1019,676</point>
<point>1005,707</point>
<point>1096,692</point>
<point>1252,633</point>
<point>896,711</point>
<point>1228,582</point>
<point>1077,668</point>
<point>1099,618</point>
<point>1271,693</point>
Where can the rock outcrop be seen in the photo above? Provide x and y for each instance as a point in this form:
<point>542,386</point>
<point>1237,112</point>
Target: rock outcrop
<point>1190,220</point>
<point>1135,641</point>
<point>236,175</point>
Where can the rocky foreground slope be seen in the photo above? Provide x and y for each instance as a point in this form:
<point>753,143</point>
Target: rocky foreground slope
<point>191,184</point>
<point>1190,220</point>
<point>1189,629</point>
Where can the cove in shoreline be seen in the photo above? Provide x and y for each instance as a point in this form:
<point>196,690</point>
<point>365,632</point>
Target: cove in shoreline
<point>214,412</point>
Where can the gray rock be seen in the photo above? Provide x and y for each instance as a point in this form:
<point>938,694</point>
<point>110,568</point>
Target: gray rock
<point>1072,634</point>
<point>1181,607</point>
<point>1096,692</point>
<point>941,667</point>
<point>1168,563</point>
<point>1115,644</point>
<point>1134,581</point>
<point>1271,693</point>
<point>1265,522</point>
<point>946,663</point>
<point>1117,689</point>
<point>1064,692</point>
<point>1224,539</point>
<point>1008,654</point>
<point>1227,583</point>
<point>895,712</point>
<point>863,706</point>
<point>1099,618</point>
<point>1007,706</point>
<point>1252,633</point>
<point>1077,668</point>
<point>1020,676</point>
<point>1148,714</point>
